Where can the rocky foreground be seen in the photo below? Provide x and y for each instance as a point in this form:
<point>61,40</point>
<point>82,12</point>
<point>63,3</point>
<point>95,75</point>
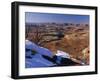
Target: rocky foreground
<point>36,56</point>
<point>75,42</point>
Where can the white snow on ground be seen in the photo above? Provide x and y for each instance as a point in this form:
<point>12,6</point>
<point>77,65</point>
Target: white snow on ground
<point>32,46</point>
<point>62,54</point>
<point>36,60</point>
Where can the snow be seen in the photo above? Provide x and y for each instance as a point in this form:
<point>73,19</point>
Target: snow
<point>32,46</point>
<point>62,54</point>
<point>36,59</point>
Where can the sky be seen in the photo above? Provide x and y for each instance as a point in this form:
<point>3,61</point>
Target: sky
<point>33,17</point>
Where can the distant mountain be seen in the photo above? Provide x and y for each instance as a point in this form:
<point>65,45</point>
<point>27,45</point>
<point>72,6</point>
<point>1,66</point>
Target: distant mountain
<point>55,25</point>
